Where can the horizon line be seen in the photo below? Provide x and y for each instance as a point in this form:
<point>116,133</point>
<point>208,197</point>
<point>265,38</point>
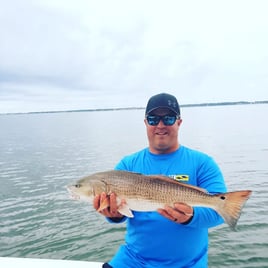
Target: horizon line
<point>141,108</point>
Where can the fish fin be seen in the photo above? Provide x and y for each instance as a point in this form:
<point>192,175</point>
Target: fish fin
<point>193,187</point>
<point>171,180</point>
<point>232,205</point>
<point>124,210</point>
<point>104,204</point>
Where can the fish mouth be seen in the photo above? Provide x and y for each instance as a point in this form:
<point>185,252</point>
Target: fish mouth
<point>73,195</point>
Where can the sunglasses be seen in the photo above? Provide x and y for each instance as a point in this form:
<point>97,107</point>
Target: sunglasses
<point>168,120</point>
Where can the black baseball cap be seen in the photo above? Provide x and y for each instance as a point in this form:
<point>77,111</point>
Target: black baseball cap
<point>163,100</point>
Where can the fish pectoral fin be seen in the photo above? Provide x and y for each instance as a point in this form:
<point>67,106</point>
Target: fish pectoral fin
<point>104,204</point>
<point>125,210</point>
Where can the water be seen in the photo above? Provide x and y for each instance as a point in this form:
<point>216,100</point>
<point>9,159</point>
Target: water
<point>41,153</point>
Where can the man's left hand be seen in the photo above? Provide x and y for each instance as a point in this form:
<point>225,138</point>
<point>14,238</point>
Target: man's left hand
<point>180,213</point>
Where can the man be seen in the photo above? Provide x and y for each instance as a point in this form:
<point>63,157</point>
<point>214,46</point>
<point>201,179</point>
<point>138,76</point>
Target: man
<point>173,236</point>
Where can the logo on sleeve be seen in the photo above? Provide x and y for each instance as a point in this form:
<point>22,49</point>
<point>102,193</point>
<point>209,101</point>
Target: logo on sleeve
<point>182,177</point>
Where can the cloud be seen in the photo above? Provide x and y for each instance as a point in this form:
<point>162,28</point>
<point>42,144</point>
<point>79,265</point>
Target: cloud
<point>83,54</point>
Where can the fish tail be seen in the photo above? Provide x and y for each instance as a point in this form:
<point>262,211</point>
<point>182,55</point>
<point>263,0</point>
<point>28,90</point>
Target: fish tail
<point>231,207</point>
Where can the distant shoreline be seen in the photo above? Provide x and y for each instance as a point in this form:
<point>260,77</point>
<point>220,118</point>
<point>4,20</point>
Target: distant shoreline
<point>142,108</point>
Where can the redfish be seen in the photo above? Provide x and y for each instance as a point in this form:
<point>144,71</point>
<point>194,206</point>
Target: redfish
<point>150,192</point>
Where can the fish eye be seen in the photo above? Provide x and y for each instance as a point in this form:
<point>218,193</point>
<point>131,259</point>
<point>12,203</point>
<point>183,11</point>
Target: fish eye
<point>77,185</point>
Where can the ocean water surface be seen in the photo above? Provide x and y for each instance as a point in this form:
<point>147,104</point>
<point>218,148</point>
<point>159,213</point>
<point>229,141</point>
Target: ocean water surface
<point>41,153</point>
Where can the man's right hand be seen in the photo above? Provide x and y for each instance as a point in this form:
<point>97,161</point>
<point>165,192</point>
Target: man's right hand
<point>111,210</point>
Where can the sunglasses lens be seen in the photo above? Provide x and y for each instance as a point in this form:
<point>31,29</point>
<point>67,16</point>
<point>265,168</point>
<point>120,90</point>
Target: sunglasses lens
<point>153,120</point>
<point>169,120</point>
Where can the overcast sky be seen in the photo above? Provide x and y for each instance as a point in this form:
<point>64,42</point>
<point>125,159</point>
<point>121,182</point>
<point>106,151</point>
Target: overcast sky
<point>83,54</point>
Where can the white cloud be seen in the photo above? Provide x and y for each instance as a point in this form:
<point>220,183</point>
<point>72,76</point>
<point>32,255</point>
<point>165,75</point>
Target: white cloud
<point>82,54</point>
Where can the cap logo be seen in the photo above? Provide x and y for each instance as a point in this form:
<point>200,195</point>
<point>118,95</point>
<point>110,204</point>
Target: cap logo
<point>172,104</point>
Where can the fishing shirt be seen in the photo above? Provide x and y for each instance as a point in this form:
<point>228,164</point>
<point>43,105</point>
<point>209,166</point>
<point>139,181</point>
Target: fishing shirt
<point>152,240</point>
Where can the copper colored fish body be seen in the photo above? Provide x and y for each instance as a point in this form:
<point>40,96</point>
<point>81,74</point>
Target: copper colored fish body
<point>148,193</point>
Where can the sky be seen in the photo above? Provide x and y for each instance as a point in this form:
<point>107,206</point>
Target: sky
<point>84,54</point>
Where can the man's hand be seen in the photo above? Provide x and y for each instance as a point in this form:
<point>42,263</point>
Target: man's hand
<point>111,210</point>
<point>181,213</point>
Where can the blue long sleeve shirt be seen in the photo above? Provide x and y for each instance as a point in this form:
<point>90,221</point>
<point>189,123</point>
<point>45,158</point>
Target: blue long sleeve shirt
<point>154,241</point>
